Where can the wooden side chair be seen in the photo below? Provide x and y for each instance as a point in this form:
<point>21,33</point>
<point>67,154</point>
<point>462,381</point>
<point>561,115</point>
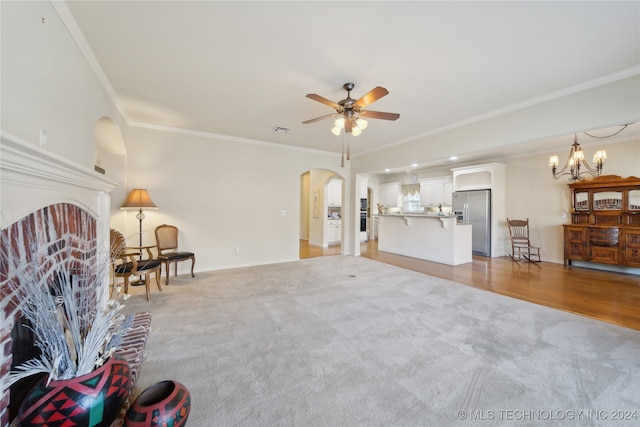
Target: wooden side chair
<point>520,244</point>
<point>127,261</point>
<point>168,253</point>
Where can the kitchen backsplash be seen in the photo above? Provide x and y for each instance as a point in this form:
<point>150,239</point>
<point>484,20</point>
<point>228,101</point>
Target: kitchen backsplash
<point>334,212</point>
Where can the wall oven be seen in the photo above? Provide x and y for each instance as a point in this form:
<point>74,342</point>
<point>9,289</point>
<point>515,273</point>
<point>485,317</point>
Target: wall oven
<point>363,215</point>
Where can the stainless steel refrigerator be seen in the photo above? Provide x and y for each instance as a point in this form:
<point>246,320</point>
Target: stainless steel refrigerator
<point>474,207</point>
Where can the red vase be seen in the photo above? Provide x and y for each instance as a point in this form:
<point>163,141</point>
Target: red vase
<point>91,400</point>
<point>164,404</point>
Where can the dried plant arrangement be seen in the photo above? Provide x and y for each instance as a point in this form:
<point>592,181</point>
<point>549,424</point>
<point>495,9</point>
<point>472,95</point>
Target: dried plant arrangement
<point>65,298</point>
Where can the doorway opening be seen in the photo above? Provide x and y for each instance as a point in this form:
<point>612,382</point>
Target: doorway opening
<point>321,214</point>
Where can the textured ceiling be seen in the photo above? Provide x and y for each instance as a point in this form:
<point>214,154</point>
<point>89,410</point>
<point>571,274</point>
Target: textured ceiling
<point>242,68</point>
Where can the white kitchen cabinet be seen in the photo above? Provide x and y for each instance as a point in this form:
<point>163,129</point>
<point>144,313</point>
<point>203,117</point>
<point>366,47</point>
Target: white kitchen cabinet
<point>425,193</point>
<point>479,177</point>
<point>390,194</point>
<point>436,191</point>
<point>334,193</point>
<point>334,231</point>
<point>448,192</point>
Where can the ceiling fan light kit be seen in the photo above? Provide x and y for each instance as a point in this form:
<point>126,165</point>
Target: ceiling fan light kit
<point>350,112</point>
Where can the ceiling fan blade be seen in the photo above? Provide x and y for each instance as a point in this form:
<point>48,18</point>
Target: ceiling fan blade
<point>379,115</point>
<point>372,96</point>
<point>317,119</point>
<point>323,100</point>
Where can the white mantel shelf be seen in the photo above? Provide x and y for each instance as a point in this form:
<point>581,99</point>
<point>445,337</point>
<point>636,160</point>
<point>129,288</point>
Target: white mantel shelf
<point>32,178</point>
<point>432,238</point>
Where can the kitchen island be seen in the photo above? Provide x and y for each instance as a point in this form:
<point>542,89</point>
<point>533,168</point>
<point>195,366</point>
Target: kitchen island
<point>432,238</point>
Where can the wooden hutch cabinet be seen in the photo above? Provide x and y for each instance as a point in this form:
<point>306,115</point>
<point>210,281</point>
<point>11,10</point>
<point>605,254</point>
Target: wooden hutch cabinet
<point>605,221</point>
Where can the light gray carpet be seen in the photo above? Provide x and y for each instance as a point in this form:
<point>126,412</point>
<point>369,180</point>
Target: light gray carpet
<point>347,341</point>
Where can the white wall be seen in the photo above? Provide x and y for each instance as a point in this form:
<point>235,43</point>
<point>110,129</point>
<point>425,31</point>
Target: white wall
<point>317,188</point>
<point>305,205</point>
<point>221,194</point>
<point>47,84</point>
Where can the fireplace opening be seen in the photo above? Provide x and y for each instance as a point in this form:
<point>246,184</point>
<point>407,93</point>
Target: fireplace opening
<point>24,348</point>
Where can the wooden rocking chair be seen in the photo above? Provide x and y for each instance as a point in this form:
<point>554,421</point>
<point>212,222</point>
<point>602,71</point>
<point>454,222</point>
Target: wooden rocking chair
<point>520,244</point>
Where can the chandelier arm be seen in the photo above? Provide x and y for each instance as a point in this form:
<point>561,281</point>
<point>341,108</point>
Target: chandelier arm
<point>562,172</point>
<point>589,167</point>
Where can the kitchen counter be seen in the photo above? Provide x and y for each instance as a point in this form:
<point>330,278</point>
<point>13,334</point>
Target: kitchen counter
<point>415,214</point>
<point>432,238</point>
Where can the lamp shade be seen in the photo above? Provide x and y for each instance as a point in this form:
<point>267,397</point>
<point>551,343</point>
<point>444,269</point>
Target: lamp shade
<point>600,155</point>
<point>138,199</point>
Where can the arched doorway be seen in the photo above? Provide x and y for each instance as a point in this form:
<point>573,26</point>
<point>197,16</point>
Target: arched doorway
<point>110,158</point>
<point>321,203</point>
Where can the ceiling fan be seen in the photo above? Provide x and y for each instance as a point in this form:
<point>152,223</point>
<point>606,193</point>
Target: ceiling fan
<point>350,113</point>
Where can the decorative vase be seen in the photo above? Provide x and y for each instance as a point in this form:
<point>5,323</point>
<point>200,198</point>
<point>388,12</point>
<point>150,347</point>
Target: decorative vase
<point>164,404</point>
<point>91,400</point>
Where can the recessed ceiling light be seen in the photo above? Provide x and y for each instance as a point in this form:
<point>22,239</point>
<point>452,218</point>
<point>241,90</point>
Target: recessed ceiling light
<point>280,129</point>
<point>414,165</point>
<point>452,158</point>
<point>387,170</point>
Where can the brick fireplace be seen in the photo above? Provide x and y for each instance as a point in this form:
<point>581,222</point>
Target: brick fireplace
<point>46,202</point>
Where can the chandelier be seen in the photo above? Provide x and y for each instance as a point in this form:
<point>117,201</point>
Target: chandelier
<point>575,161</point>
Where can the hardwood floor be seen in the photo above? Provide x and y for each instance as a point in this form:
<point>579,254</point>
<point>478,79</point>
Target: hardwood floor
<point>603,295</point>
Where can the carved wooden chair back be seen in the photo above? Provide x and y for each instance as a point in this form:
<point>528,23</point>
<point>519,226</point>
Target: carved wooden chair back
<point>168,252</point>
<point>130,261</point>
<point>520,241</point>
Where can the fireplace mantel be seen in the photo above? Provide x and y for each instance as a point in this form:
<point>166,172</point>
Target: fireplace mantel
<point>32,177</point>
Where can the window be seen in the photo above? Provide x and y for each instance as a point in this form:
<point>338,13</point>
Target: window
<point>411,203</point>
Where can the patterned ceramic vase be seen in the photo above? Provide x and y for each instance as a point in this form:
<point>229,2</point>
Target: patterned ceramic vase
<point>164,404</point>
<point>92,400</point>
